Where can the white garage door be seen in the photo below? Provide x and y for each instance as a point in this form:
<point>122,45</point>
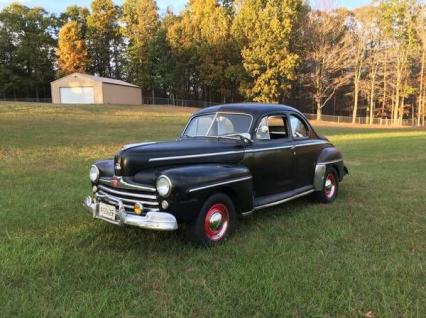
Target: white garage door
<point>77,95</point>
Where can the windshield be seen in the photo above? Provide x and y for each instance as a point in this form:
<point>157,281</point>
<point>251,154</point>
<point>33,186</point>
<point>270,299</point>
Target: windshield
<point>218,124</point>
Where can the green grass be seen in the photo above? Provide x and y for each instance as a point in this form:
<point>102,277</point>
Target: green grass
<point>365,252</point>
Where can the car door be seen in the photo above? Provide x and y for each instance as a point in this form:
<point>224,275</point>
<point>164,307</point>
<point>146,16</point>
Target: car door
<point>271,156</point>
<point>306,150</point>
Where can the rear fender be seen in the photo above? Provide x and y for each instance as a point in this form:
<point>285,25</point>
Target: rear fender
<point>329,156</point>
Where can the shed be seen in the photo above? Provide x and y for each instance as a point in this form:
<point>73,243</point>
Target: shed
<point>78,88</point>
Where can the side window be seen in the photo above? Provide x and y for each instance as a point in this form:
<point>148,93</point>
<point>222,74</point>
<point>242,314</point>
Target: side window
<point>262,132</point>
<point>298,128</point>
<point>272,127</point>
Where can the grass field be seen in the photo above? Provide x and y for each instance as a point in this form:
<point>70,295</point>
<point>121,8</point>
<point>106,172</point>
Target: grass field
<point>365,252</point>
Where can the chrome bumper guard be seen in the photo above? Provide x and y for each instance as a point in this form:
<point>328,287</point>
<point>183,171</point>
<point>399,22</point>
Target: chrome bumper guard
<point>160,221</point>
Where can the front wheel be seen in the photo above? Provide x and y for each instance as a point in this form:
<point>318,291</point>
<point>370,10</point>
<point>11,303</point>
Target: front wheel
<point>330,186</point>
<point>215,222</point>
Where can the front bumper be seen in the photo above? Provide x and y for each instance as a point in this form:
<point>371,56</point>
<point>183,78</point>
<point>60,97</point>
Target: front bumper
<point>161,221</point>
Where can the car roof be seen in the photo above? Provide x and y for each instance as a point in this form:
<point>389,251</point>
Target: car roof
<point>255,109</point>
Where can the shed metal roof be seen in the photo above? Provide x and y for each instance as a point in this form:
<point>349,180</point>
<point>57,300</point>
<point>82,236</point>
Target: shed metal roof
<point>100,79</point>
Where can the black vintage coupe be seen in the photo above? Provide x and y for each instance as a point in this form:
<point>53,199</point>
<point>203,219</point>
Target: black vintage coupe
<point>231,160</point>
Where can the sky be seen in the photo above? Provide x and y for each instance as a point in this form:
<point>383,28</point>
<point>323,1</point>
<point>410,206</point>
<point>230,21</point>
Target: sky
<point>58,6</point>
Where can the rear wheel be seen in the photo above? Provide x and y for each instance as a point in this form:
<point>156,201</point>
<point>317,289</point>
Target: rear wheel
<point>330,187</point>
<point>215,222</point>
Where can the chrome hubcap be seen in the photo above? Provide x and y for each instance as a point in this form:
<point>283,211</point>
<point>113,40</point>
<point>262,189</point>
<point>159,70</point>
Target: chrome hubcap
<point>215,221</point>
<point>330,186</point>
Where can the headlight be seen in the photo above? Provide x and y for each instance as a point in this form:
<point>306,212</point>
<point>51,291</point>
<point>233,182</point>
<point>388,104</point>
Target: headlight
<point>164,186</point>
<point>94,173</point>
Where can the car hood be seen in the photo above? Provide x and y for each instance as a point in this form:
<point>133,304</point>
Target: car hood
<point>135,157</point>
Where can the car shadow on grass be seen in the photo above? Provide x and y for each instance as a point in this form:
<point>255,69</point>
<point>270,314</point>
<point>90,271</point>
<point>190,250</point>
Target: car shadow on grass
<point>126,239</point>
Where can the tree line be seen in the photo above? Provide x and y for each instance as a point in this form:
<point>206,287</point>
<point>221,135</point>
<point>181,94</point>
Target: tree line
<point>367,62</point>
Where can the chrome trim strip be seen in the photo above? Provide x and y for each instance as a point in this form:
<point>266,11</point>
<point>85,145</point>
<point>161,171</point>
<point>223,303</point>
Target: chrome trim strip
<point>235,152</point>
<point>312,143</point>
<point>196,155</point>
<point>268,149</point>
<point>132,186</point>
<point>112,197</point>
<point>284,200</point>
<point>219,184</point>
<point>126,185</point>
<point>328,162</point>
<point>136,195</point>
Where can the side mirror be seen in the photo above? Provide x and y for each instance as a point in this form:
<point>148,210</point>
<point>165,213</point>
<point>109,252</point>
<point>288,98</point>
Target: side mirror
<point>246,138</point>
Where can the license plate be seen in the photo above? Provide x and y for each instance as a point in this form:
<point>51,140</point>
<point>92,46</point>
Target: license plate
<point>107,211</point>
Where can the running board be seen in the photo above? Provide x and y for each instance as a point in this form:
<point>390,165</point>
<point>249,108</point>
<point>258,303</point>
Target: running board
<point>275,199</point>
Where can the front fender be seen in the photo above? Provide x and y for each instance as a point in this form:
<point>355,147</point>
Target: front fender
<point>195,183</point>
<point>106,167</point>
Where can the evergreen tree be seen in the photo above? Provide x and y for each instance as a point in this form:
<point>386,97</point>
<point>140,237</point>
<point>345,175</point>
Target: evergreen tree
<point>102,36</point>
<point>27,51</point>
<point>141,24</point>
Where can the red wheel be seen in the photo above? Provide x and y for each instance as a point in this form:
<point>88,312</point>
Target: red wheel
<point>330,186</point>
<point>215,222</point>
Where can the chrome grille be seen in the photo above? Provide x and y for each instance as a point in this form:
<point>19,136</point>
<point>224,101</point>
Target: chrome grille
<point>128,198</point>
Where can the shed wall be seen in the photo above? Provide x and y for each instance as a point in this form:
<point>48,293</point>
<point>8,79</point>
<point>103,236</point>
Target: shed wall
<point>119,94</point>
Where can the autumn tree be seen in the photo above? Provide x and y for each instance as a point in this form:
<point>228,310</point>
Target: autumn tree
<point>71,52</point>
<point>265,31</point>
